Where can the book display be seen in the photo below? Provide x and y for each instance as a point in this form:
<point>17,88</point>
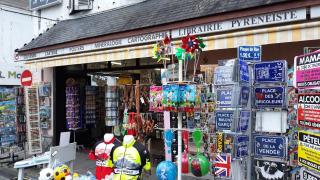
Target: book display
<point>33,120</point>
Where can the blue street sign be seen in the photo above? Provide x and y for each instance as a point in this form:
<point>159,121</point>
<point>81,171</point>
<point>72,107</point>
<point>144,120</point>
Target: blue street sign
<point>243,122</point>
<point>224,97</point>
<point>274,71</point>
<point>270,146</point>
<point>242,142</point>
<point>224,120</point>
<point>244,96</point>
<point>249,53</point>
<point>270,96</point>
<point>243,71</point>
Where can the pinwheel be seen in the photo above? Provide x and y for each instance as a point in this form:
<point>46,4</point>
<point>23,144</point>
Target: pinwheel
<point>190,43</point>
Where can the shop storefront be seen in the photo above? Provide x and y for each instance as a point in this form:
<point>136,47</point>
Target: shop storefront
<point>97,81</point>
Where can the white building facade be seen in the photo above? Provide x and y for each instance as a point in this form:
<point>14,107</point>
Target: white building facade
<point>15,30</point>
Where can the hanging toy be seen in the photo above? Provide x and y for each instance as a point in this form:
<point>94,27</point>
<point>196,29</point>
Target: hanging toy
<point>62,172</point>
<point>46,174</point>
<point>200,165</point>
<point>168,138</point>
<point>166,170</point>
<point>185,158</point>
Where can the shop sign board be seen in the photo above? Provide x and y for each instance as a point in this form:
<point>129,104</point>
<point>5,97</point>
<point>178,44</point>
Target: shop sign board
<point>243,71</point>
<point>270,146</point>
<point>132,40</point>
<point>242,146</point>
<point>224,120</point>
<point>269,96</point>
<point>308,175</point>
<point>309,150</point>
<point>308,70</point>
<point>10,75</point>
<point>224,97</point>
<point>249,53</point>
<point>242,22</point>
<point>309,110</point>
<point>270,72</point>
<point>243,122</point>
<point>40,4</point>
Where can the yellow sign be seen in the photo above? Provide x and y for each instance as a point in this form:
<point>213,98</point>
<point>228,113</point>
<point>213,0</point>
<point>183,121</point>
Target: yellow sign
<point>219,142</point>
<point>309,150</point>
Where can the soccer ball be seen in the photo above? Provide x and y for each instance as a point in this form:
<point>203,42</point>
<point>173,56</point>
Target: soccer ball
<point>61,172</point>
<point>200,165</point>
<point>46,174</point>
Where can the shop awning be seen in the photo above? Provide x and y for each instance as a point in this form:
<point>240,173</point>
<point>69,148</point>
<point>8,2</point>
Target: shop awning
<point>271,35</point>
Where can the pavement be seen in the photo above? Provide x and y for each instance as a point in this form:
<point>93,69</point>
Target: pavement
<point>81,166</point>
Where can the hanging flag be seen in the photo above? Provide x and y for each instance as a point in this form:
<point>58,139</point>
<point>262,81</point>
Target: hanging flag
<point>222,165</point>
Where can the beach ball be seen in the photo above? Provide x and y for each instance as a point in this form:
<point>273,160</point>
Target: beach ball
<point>199,165</point>
<point>166,170</point>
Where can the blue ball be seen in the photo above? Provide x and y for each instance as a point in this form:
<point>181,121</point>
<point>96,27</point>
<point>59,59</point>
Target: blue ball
<point>166,170</point>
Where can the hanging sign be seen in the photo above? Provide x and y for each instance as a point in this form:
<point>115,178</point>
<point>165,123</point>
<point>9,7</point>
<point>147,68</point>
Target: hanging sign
<point>249,53</point>
<point>274,71</point>
<point>224,120</point>
<point>308,70</point>
<point>270,146</point>
<point>224,97</point>
<point>270,96</point>
<point>270,170</point>
<point>26,78</point>
<point>309,110</point>
<point>309,150</point>
<point>242,146</point>
<point>243,71</point>
<point>243,122</point>
<point>308,175</point>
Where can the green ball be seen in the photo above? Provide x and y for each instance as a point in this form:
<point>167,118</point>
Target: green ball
<point>199,165</point>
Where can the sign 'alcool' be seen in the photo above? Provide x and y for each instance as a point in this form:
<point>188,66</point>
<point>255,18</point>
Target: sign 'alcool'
<point>308,70</point>
<point>309,110</point>
<point>309,150</point>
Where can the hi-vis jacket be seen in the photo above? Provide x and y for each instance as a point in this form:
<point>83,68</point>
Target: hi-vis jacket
<point>129,160</point>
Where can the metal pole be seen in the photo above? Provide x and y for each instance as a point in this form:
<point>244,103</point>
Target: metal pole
<point>179,127</point>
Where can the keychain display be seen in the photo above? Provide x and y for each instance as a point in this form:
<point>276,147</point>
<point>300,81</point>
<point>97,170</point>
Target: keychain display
<point>73,105</point>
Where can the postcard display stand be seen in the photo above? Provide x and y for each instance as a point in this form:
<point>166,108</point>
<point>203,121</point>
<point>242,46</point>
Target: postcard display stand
<point>33,120</point>
<point>307,76</point>
<point>232,120</point>
<point>270,103</point>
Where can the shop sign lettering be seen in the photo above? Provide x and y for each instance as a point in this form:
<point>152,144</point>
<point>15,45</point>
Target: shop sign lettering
<point>270,146</point>
<point>309,110</point>
<point>249,53</point>
<point>224,119</point>
<point>308,70</point>
<point>270,96</point>
<point>309,150</point>
<point>139,39</point>
<point>275,71</point>
<point>243,22</point>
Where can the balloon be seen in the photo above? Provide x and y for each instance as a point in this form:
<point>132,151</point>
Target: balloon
<point>166,170</point>
<point>200,165</point>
